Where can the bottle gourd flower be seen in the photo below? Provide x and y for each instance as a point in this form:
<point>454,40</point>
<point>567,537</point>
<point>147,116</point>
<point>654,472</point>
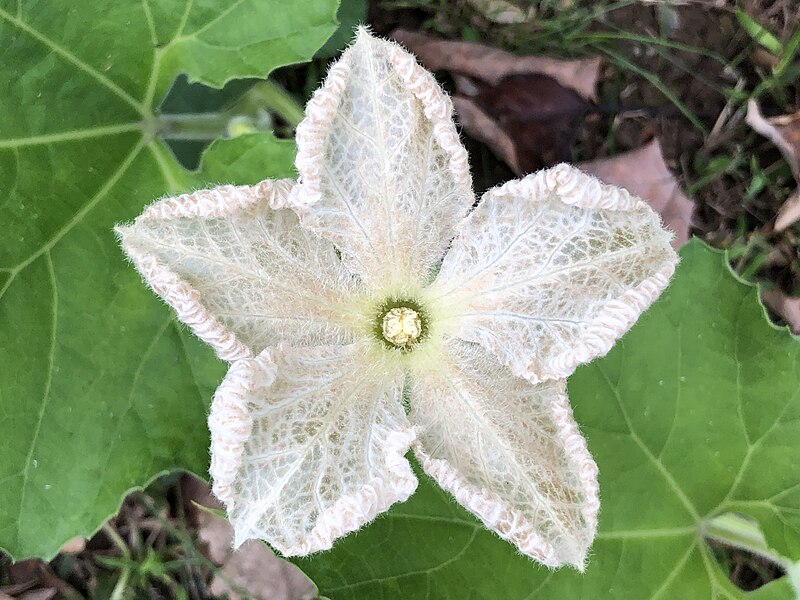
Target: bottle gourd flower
<point>371,308</point>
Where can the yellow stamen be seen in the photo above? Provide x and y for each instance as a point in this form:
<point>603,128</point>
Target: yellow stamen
<point>401,326</point>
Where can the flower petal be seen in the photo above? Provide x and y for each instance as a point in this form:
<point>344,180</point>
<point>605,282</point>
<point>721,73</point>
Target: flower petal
<point>384,175</point>
<point>307,444</point>
<point>509,451</point>
<point>550,270</point>
<point>239,270</point>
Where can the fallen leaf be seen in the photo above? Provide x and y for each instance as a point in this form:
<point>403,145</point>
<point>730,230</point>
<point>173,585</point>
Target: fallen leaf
<point>26,573</point>
<point>485,129</point>
<point>74,545</point>
<point>785,306</point>
<point>33,579</point>
<point>789,213</point>
<point>537,115</point>
<point>40,594</point>
<point>644,173</point>
<point>252,568</point>
<point>13,589</point>
<point>783,131</point>
<point>525,108</point>
<point>216,535</point>
<point>492,65</point>
<point>502,11</point>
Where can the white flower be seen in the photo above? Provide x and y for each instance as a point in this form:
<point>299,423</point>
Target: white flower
<point>352,341</point>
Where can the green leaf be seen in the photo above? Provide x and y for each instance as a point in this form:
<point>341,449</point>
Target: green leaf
<point>694,414</point>
<point>351,14</point>
<point>100,389</point>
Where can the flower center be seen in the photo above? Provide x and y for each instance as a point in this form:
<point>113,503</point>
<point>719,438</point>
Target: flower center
<point>401,326</point>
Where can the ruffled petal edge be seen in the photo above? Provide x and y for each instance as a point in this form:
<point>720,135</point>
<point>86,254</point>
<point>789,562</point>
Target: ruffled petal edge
<point>507,522</point>
<point>322,107</point>
<point>231,426</point>
<point>619,315</point>
<point>603,331</point>
<point>179,294</point>
<point>573,187</point>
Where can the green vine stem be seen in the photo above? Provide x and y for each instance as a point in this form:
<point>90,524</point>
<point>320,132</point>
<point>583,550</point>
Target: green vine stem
<point>270,96</point>
<point>252,112</point>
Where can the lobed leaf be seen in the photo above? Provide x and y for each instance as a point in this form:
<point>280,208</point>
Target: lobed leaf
<point>100,389</point>
<point>694,414</point>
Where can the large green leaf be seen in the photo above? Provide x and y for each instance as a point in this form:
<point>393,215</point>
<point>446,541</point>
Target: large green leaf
<point>352,13</point>
<point>696,413</point>
<point>100,390</point>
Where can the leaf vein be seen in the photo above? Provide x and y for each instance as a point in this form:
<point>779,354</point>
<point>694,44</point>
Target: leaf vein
<point>45,396</point>
<point>76,62</point>
<point>70,136</point>
<point>679,493</point>
<point>101,193</point>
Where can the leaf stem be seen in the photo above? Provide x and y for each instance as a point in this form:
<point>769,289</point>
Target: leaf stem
<point>252,112</point>
<point>269,95</point>
<point>197,126</point>
<point>740,532</point>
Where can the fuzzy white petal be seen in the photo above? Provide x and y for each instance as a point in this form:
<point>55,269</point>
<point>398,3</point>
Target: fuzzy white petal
<point>238,268</point>
<point>550,270</point>
<point>307,444</point>
<point>384,175</point>
<point>509,451</point>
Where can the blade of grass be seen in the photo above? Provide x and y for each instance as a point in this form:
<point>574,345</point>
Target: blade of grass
<point>759,33</point>
<point>653,79</point>
<point>789,52</point>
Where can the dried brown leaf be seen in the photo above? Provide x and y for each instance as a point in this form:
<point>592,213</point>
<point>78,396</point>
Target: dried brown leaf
<point>14,589</point>
<point>74,545</point>
<point>502,11</point>
<point>525,108</point>
<point>644,173</point>
<point>40,594</point>
<point>783,131</point>
<point>253,567</point>
<point>492,65</point>
<point>26,572</point>
<point>789,213</point>
<point>216,535</point>
<point>33,579</point>
<point>528,120</point>
<point>485,129</point>
<point>787,307</point>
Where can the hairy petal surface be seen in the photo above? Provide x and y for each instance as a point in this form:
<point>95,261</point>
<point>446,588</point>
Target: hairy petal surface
<point>509,451</point>
<point>550,270</point>
<point>307,444</point>
<point>383,173</point>
<point>238,268</point>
